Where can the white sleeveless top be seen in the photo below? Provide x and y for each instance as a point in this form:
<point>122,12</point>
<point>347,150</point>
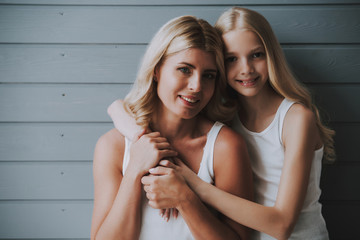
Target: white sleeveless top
<point>266,151</point>
<point>155,227</point>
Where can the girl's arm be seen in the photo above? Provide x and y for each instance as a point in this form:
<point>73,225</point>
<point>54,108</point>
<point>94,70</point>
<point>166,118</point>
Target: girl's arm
<point>232,174</point>
<point>122,120</point>
<point>117,198</point>
<point>301,139</point>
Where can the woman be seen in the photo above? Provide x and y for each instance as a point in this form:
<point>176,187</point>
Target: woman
<point>177,91</point>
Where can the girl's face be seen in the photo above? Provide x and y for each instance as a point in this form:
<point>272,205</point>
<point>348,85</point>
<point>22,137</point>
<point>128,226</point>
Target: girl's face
<point>186,82</point>
<point>245,61</point>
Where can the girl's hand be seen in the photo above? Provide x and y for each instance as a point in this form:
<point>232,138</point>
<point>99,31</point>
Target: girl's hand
<point>190,177</point>
<point>165,188</point>
<point>147,150</point>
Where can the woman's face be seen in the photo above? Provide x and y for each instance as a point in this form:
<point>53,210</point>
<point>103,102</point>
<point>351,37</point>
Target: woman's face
<point>186,82</point>
<point>245,61</point>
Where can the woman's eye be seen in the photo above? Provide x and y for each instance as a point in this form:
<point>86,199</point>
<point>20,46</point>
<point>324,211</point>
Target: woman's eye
<point>184,70</point>
<point>209,76</point>
<point>230,59</point>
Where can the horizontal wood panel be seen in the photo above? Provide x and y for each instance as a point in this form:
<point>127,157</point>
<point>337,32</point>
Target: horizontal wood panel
<point>110,24</point>
<point>88,102</point>
<point>42,180</point>
<point>49,142</point>
<point>346,144</point>
<point>72,219</point>
<point>76,141</point>
<point>58,102</point>
<point>324,64</point>
<point>73,180</point>
<point>167,2</point>
<point>342,220</point>
<point>339,103</point>
<point>70,63</point>
<point>119,63</point>
<point>43,219</point>
<point>337,182</point>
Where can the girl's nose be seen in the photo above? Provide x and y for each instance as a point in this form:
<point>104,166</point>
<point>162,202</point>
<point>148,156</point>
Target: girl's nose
<point>246,67</point>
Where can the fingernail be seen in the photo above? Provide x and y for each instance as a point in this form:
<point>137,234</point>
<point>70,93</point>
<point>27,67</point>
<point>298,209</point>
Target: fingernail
<point>151,170</point>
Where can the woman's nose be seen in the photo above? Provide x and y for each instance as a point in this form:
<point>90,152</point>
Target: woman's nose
<point>195,82</point>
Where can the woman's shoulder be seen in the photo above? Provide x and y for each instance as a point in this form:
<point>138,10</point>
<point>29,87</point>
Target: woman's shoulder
<point>110,148</point>
<point>229,139</point>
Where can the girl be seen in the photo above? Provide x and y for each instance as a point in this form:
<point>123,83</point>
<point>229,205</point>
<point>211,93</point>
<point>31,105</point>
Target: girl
<point>285,137</point>
<point>178,86</point>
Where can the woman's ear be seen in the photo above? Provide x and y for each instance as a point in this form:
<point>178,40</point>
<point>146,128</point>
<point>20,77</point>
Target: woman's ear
<point>156,74</point>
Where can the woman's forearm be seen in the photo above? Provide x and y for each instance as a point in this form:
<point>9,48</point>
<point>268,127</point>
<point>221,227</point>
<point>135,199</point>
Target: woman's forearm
<point>123,220</point>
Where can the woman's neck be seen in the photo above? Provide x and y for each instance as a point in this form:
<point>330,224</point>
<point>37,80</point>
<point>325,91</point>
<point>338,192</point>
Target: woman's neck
<point>172,127</point>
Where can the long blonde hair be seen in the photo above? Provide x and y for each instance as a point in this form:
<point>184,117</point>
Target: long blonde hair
<point>281,78</point>
<point>176,35</point>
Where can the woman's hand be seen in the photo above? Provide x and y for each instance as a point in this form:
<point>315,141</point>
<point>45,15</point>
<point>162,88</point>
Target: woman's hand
<point>166,213</point>
<point>147,150</point>
<point>165,188</point>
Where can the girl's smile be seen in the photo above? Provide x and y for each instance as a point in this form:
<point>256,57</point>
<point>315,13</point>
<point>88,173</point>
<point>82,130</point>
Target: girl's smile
<point>245,61</point>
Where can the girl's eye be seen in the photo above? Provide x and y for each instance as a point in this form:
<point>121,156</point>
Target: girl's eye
<point>258,55</point>
<point>184,70</point>
<point>230,59</point>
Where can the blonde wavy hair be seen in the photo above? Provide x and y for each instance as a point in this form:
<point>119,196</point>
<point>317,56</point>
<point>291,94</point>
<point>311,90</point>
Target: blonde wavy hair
<point>281,78</point>
<point>176,35</point>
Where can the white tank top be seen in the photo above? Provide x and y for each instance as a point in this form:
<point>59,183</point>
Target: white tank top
<point>266,151</point>
<point>155,227</point>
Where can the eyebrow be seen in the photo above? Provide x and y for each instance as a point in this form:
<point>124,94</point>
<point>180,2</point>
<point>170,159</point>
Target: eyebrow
<point>257,48</point>
<point>193,67</point>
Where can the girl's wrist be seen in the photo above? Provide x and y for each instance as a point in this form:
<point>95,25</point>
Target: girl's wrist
<point>187,200</point>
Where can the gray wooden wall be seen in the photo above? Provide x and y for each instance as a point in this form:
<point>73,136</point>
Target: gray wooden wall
<point>63,62</point>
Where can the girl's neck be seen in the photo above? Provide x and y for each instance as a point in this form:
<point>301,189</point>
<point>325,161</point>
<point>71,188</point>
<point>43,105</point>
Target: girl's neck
<point>256,112</point>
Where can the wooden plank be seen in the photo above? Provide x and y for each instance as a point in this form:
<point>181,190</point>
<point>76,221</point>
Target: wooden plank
<point>339,103</point>
<point>58,102</point>
<point>342,220</point>
<point>338,182</point>
<point>76,141</point>
<point>170,3</point>
<point>119,63</point>
<point>73,180</point>
<point>49,141</point>
<point>88,102</point>
<point>324,64</point>
<point>90,24</point>
<point>70,63</point>
<point>46,181</point>
<point>45,219</point>
<point>346,144</point>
